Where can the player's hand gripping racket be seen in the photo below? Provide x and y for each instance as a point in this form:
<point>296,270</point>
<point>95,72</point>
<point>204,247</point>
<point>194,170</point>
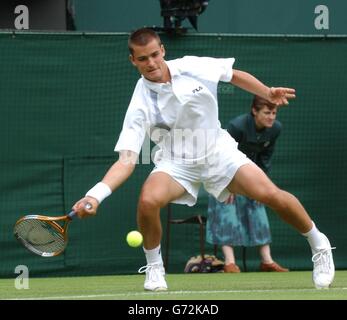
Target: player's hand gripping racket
<point>43,235</point>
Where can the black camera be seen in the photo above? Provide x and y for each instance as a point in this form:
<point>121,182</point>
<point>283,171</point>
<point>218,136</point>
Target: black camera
<point>175,11</point>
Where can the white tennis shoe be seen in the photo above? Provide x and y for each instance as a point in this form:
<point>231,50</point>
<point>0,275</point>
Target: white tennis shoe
<point>323,265</point>
<point>155,277</point>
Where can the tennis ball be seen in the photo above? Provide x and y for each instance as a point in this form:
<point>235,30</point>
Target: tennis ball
<point>134,239</point>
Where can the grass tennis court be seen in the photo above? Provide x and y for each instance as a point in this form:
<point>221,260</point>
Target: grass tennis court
<point>245,286</point>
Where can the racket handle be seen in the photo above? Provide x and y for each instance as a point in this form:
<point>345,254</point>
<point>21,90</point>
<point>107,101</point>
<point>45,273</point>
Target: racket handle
<point>72,214</point>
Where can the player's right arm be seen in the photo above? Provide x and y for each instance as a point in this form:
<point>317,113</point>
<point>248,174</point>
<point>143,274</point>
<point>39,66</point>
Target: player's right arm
<point>121,169</point>
<point>129,144</point>
<point>119,172</point>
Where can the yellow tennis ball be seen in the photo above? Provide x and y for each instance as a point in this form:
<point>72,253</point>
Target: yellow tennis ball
<point>134,239</point>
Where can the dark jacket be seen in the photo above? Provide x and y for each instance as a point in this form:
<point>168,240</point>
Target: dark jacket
<point>257,145</point>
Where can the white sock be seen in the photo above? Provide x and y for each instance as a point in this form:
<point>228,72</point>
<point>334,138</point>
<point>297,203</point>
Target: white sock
<point>314,237</point>
<point>153,255</point>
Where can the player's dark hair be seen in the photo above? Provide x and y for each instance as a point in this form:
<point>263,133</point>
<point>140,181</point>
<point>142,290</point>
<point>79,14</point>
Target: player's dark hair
<point>142,37</point>
<point>259,103</point>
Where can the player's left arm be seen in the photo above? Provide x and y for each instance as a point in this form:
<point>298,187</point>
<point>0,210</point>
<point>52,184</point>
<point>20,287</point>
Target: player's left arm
<point>278,96</point>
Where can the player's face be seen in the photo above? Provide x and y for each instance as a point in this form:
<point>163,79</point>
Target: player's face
<point>265,118</point>
<point>149,60</point>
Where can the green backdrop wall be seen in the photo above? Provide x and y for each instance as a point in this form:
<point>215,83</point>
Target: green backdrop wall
<point>221,16</point>
<point>63,99</point>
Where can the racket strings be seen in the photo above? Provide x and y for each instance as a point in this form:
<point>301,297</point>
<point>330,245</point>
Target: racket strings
<point>40,236</point>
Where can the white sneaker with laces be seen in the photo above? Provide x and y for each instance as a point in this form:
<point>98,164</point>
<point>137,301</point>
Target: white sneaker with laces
<point>323,265</point>
<point>155,277</point>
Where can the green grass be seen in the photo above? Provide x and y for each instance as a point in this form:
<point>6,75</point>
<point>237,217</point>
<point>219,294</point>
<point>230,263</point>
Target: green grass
<point>212,286</point>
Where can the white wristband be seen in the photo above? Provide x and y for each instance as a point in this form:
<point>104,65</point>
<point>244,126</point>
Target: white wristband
<point>100,191</point>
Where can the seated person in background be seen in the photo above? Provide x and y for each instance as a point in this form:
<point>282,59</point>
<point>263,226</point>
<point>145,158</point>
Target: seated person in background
<point>240,221</point>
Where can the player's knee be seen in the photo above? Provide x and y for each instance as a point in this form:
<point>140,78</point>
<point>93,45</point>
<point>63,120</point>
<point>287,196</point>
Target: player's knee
<point>148,205</point>
<point>271,197</point>
<point>276,199</point>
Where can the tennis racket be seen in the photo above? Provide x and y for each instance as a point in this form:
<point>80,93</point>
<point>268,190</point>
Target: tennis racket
<point>43,235</point>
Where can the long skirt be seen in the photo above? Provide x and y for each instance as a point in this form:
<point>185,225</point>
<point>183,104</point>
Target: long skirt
<point>243,222</point>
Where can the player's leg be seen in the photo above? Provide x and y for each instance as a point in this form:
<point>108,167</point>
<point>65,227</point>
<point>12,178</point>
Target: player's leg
<point>251,181</point>
<point>158,190</point>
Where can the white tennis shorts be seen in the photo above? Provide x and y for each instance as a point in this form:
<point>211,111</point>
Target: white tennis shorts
<point>215,173</point>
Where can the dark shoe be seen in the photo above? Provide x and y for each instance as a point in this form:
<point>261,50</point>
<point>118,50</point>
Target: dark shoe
<point>272,267</point>
<point>231,268</point>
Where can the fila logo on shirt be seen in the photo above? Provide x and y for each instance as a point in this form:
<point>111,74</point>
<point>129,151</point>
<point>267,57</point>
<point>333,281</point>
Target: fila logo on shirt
<point>197,89</point>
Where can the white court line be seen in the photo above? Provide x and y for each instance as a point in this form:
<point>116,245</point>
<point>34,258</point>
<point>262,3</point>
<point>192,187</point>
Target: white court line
<point>131,294</point>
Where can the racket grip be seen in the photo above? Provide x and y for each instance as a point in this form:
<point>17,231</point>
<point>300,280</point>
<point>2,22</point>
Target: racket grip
<point>72,214</point>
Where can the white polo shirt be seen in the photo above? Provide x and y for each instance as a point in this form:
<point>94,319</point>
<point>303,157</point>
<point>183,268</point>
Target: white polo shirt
<point>181,116</point>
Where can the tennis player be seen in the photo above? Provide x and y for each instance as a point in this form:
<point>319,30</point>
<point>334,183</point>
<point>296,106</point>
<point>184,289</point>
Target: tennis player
<point>175,102</point>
